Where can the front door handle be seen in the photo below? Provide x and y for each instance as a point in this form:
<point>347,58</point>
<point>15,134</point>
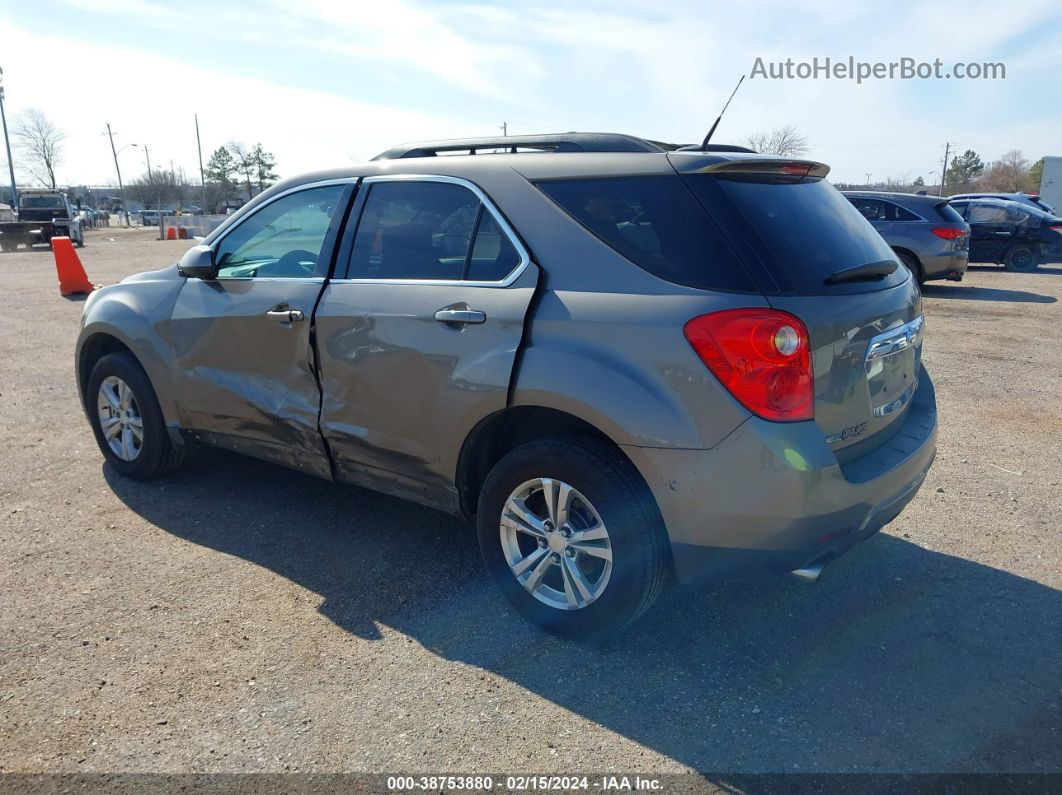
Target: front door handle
<point>460,316</point>
<point>286,315</point>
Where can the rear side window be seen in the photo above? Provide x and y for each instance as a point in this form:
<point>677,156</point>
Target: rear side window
<point>949,214</point>
<point>878,210</point>
<point>657,224</point>
<point>803,230</point>
<point>493,255</point>
<point>987,214</point>
<point>413,229</point>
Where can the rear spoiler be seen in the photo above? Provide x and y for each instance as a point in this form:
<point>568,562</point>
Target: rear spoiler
<point>762,165</point>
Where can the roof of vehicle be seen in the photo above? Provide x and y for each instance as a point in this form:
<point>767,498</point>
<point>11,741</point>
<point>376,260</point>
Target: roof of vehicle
<point>907,197</point>
<point>486,169</point>
<point>568,142</point>
<point>993,195</point>
<point>537,165</point>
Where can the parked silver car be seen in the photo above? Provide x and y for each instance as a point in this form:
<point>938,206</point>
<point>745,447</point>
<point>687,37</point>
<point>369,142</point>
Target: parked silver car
<point>926,233</point>
<point>624,361</point>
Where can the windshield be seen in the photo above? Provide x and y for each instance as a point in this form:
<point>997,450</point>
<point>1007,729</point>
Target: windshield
<point>42,202</point>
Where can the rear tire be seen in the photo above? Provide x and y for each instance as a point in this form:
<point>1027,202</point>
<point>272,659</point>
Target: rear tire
<point>612,515</point>
<point>119,394</point>
<point>914,266</point>
<point>1021,259</point>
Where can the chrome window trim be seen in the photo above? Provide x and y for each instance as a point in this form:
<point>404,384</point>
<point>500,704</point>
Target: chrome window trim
<point>507,230</point>
<point>295,189</point>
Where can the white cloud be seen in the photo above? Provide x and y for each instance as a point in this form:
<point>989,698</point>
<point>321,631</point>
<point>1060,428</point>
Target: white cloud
<point>656,70</point>
<point>306,128</point>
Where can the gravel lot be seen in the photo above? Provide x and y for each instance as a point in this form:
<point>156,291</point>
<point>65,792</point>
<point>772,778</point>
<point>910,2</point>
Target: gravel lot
<point>238,616</point>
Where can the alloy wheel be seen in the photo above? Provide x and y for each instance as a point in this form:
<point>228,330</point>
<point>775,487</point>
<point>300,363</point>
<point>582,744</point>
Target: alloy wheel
<point>556,544</point>
<point>120,419</point>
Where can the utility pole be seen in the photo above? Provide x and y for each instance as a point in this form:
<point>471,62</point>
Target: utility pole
<point>505,128</point>
<point>868,179</point>
<point>121,188</point>
<point>944,173</point>
<point>147,156</point>
<point>202,179</point>
<point>7,145</point>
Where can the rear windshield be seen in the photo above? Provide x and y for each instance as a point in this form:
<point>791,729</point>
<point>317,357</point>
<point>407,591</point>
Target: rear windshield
<point>802,230</point>
<point>656,223</point>
<point>42,202</point>
<point>949,214</point>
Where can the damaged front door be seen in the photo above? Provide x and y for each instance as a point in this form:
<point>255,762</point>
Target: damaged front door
<point>247,379</point>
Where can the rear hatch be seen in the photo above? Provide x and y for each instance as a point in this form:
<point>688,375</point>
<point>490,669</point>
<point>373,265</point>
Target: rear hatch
<point>952,219</point>
<point>815,256</point>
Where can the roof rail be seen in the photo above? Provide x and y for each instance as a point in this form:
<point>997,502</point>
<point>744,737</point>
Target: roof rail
<point>551,142</point>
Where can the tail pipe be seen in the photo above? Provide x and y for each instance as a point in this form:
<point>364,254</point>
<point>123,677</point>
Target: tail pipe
<point>809,573</point>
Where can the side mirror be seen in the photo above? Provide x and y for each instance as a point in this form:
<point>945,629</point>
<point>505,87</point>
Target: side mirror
<point>198,262</point>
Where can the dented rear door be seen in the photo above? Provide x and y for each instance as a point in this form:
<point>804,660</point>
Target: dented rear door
<point>419,334</point>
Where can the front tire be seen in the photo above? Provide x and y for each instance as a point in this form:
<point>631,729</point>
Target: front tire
<point>572,536</point>
<point>1021,259</point>
<point>125,416</point>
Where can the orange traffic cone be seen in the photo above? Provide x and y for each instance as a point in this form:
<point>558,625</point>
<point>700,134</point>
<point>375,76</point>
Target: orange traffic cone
<point>171,233</point>
<point>72,278</point>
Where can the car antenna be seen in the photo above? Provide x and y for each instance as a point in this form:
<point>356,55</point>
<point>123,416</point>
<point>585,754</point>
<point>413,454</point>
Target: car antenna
<point>708,137</point>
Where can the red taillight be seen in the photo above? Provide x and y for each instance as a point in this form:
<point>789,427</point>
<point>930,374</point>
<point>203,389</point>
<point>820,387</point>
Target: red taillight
<point>1056,229</point>
<point>762,356</point>
<point>949,232</point>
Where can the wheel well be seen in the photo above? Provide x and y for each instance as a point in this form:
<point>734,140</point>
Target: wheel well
<point>506,430</point>
<point>911,254</point>
<point>95,348</point>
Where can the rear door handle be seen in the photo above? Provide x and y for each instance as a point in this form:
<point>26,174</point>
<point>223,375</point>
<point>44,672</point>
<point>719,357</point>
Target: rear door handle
<point>286,315</point>
<point>460,316</point>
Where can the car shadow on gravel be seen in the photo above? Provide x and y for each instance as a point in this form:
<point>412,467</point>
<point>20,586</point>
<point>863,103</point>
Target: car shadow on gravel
<point>899,659</point>
<point>971,293</point>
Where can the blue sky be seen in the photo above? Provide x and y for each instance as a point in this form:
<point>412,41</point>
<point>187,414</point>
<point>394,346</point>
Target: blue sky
<point>324,83</point>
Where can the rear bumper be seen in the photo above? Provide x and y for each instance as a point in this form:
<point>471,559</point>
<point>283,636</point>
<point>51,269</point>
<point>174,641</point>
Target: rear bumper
<point>772,497</point>
<point>946,266</point>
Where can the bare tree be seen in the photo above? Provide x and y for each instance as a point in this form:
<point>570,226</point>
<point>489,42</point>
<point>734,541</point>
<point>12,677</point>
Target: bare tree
<point>160,189</point>
<point>245,163</point>
<point>41,142</point>
<point>785,141</point>
<point>1009,174</point>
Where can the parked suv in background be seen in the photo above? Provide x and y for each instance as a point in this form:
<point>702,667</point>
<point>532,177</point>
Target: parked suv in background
<point>1015,235</point>
<point>929,237</point>
<point>1028,199</point>
<point>624,361</point>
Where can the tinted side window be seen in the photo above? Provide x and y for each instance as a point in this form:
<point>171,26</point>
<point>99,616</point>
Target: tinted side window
<point>878,210</point>
<point>493,255</point>
<point>902,214</point>
<point>987,214</point>
<point>414,230</point>
<point>656,223</point>
<point>283,239</point>
<point>870,208</point>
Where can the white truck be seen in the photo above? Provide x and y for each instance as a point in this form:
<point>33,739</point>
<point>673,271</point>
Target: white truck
<point>1051,182</point>
<point>43,213</point>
